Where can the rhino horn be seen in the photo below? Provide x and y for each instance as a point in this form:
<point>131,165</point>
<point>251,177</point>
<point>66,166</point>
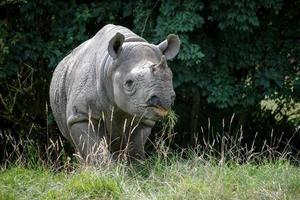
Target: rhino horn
<point>161,65</point>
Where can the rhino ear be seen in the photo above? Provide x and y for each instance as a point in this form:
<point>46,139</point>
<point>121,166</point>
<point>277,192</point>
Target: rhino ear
<point>170,47</point>
<point>115,45</point>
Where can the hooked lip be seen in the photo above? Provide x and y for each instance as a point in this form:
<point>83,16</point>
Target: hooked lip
<point>161,111</point>
<point>158,110</point>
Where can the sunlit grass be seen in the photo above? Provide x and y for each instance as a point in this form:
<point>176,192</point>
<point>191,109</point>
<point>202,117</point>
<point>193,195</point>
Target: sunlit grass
<point>169,178</point>
<point>235,172</point>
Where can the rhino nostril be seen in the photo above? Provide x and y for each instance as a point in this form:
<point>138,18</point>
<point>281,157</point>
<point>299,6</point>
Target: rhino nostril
<point>154,100</point>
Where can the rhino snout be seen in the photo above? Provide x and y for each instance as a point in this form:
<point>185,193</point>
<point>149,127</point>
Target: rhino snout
<point>155,101</point>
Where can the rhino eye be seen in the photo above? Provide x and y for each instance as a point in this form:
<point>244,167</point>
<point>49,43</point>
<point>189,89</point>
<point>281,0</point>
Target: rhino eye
<point>129,86</point>
<point>129,83</point>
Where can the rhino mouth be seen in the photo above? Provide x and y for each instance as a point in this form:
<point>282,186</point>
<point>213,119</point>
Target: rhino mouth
<point>157,111</point>
<point>161,111</point>
<point>157,106</point>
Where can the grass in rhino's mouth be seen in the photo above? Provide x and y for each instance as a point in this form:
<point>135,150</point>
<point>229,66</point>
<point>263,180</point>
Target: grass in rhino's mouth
<point>169,120</point>
<point>161,111</point>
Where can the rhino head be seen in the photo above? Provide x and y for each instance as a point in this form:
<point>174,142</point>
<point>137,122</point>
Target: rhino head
<point>141,79</point>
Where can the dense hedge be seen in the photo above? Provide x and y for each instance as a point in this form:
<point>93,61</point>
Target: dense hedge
<point>234,55</point>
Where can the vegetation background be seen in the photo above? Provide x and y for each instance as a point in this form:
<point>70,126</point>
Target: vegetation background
<point>238,58</point>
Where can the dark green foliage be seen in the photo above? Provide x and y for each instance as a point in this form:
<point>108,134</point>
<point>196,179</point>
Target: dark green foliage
<point>234,54</point>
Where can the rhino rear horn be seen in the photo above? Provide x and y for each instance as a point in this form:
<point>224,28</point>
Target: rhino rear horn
<point>170,47</point>
<point>115,45</point>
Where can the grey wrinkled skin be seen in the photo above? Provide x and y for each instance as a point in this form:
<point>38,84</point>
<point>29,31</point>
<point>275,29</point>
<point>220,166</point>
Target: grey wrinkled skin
<point>114,70</point>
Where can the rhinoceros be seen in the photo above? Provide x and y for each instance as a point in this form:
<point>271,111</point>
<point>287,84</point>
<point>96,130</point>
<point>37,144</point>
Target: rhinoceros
<point>114,86</point>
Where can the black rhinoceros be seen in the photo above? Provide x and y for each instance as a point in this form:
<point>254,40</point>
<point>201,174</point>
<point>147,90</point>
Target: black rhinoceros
<point>118,76</point>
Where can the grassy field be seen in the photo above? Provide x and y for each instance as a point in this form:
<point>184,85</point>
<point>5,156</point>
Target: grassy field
<point>222,168</point>
<point>168,178</point>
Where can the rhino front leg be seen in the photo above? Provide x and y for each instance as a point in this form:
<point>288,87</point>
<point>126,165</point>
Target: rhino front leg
<point>137,142</point>
<point>88,140</point>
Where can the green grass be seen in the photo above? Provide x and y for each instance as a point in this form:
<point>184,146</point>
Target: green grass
<point>172,178</point>
<point>21,183</point>
<point>204,173</point>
